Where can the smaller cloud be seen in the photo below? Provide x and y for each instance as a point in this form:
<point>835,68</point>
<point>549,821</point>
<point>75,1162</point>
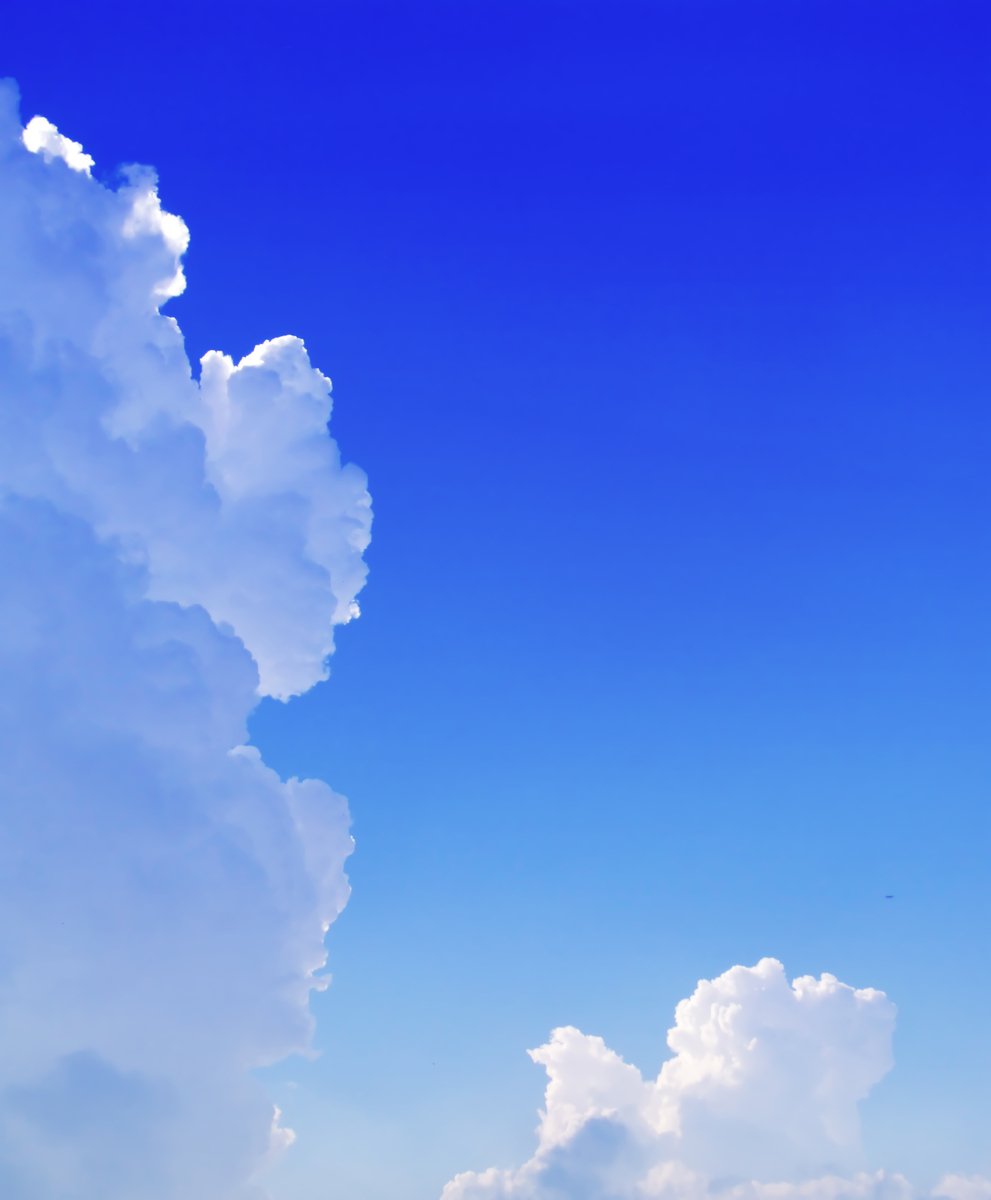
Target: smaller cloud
<point>759,1101</point>
<point>964,1187</point>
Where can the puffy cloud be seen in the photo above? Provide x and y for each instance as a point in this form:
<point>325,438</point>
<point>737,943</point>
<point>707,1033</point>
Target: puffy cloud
<point>171,549</point>
<point>757,1102</point>
<point>964,1187</point>
<point>41,137</point>
<point>227,491</point>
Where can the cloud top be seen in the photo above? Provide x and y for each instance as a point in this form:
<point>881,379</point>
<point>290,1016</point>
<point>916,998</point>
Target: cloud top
<point>41,137</point>
<point>255,518</point>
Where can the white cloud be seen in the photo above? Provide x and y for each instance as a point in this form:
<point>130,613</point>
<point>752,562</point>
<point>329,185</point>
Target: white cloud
<point>41,137</point>
<point>964,1187</point>
<point>170,549</point>
<point>228,492</point>
<point>758,1102</point>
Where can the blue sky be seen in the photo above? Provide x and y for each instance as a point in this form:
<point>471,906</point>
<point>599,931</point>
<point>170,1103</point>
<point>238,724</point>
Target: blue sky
<point>661,332</point>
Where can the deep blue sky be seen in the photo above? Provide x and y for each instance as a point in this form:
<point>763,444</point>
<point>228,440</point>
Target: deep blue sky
<point>661,331</point>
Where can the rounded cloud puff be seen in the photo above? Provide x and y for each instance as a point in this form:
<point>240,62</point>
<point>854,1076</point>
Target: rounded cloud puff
<point>227,490</point>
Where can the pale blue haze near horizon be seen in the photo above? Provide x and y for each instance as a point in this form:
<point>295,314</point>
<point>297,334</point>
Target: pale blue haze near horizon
<point>661,330</point>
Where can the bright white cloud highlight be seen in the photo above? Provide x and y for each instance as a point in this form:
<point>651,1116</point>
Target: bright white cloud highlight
<point>758,1102</point>
<point>170,549</point>
<point>41,137</point>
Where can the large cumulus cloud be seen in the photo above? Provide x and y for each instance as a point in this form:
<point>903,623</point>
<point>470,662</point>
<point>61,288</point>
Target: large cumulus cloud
<point>758,1101</point>
<point>171,549</point>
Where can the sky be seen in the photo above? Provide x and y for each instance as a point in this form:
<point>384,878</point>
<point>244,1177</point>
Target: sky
<point>659,333</point>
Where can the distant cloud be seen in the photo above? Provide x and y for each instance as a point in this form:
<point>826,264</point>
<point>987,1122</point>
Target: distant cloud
<point>758,1102</point>
<point>171,550</point>
<point>964,1187</point>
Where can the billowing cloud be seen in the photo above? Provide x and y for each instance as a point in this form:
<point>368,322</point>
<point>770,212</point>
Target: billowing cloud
<point>171,549</point>
<point>757,1102</point>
